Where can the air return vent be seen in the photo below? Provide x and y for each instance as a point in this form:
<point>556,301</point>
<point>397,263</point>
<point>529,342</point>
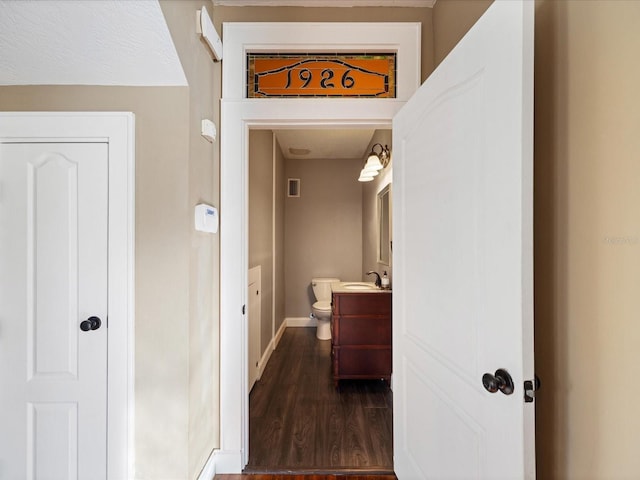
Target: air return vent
<point>293,187</point>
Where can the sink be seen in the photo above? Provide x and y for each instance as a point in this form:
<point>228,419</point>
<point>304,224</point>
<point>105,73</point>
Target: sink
<point>358,286</point>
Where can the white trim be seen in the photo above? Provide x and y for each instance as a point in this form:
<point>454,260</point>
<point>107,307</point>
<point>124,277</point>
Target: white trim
<point>118,130</point>
<point>209,469</point>
<point>273,344</point>
<point>240,38</point>
<point>279,333</point>
<point>301,322</point>
<point>237,116</point>
<point>228,461</point>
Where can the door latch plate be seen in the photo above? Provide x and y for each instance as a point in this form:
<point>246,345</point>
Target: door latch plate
<point>530,388</point>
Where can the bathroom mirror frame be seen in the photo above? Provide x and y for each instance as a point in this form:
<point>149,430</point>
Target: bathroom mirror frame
<point>384,225</point>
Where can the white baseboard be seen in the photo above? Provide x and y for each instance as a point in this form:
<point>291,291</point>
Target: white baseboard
<point>209,469</point>
<point>273,344</point>
<point>279,333</point>
<point>301,322</point>
<point>262,363</point>
<point>226,462</point>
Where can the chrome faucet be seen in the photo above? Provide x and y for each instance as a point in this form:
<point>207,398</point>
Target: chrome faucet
<point>378,279</point>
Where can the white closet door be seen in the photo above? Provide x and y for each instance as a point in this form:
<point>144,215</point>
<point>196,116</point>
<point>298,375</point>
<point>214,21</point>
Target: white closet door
<point>53,277</point>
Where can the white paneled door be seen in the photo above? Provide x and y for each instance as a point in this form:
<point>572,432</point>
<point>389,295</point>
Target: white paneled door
<point>463,251</point>
<point>53,310</point>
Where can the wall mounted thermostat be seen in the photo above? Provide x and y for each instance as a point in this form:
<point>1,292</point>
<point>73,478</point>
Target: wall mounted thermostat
<point>206,218</point>
<point>208,130</point>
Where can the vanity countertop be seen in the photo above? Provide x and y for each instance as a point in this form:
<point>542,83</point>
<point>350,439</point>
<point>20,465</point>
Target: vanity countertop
<point>357,287</point>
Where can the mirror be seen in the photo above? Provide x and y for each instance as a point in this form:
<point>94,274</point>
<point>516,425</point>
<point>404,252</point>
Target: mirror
<point>384,225</point>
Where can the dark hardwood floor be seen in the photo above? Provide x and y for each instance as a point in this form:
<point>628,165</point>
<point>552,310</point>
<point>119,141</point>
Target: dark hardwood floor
<point>298,421</point>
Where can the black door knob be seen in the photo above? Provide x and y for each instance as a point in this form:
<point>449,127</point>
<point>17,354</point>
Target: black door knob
<point>91,323</point>
<point>500,381</point>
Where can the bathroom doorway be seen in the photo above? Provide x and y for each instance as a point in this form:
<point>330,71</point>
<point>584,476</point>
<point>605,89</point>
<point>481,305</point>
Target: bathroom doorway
<point>297,419</point>
<point>238,117</point>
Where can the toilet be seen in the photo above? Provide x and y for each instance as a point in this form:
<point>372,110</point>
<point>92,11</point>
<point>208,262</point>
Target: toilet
<point>322,307</point>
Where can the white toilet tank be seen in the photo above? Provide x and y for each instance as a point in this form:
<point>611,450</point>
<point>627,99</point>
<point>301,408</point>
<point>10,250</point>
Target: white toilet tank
<point>322,288</point>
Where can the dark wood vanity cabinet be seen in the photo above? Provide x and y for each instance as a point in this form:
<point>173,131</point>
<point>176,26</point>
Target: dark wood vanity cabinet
<point>361,335</point>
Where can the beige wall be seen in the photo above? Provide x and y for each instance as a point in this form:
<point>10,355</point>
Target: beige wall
<point>370,212</point>
<point>587,238</point>
<point>266,228</point>
<point>355,14</point>
<point>261,210</point>
<point>202,158</point>
<point>323,228</point>
<point>281,185</point>
<point>451,20</point>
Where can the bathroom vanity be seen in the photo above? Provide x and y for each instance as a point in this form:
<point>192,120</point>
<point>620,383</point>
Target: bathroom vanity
<point>361,334</point>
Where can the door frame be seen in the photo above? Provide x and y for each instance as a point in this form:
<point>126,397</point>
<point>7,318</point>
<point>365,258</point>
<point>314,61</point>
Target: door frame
<point>118,130</point>
<point>238,116</point>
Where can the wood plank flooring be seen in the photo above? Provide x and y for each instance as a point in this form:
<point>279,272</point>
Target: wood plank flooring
<point>298,421</point>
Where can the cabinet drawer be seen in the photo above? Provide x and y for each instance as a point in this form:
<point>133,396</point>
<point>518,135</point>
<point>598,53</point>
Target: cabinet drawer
<point>362,303</point>
<point>369,362</point>
<point>363,330</point>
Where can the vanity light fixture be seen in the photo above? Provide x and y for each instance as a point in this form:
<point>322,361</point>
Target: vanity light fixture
<point>365,176</point>
<point>376,161</point>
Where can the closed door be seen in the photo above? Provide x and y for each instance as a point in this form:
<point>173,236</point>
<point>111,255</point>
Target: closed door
<point>53,310</point>
<point>463,255</point>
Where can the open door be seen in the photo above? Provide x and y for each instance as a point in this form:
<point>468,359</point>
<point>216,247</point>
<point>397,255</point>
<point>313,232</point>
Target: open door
<point>463,253</point>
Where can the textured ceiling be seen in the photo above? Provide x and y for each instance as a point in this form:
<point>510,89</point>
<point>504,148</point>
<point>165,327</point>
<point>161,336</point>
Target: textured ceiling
<point>324,143</point>
<point>86,42</point>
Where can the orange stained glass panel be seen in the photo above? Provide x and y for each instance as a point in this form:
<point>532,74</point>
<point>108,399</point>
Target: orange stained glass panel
<point>321,75</point>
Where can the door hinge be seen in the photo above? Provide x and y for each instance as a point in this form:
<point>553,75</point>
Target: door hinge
<point>244,309</point>
<point>530,389</point>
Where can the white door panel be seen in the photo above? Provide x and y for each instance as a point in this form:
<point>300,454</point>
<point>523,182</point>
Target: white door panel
<point>53,275</point>
<point>463,257</point>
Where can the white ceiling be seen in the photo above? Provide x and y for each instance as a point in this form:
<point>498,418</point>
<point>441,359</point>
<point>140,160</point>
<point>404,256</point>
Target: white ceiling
<point>324,143</point>
<point>86,42</point>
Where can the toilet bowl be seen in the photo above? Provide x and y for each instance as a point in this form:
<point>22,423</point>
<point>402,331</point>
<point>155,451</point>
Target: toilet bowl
<point>322,307</point>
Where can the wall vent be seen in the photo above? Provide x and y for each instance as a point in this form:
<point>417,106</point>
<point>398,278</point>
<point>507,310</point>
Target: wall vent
<point>293,187</point>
